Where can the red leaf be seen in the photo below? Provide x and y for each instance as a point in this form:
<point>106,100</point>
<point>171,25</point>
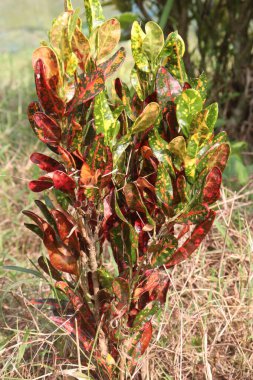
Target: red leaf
<point>59,257</point>
<point>67,157</point>
<point>63,182</point>
<point>88,87</point>
<point>211,192</point>
<point>191,244</point>
<point>47,129</point>
<point>40,185</point>
<point>49,100</point>
<point>46,163</point>
<point>145,337</point>
<point>66,231</point>
<point>167,87</point>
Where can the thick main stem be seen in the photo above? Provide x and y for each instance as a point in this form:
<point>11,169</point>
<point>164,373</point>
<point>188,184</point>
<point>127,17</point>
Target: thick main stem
<point>91,241</point>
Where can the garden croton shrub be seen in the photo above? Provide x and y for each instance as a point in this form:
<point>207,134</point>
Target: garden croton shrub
<point>128,182</point>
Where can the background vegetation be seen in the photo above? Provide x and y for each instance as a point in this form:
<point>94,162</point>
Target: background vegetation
<point>206,330</point>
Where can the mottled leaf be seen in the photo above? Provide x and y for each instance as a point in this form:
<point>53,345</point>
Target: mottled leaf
<point>163,187</point>
<point>104,119</point>
<point>193,242</point>
<point>108,37</point>
<point>113,64</point>
<point>63,182</point>
<point>189,104</point>
<point>46,163</point>
<point>94,13</point>
<point>147,118</point>
<point>48,99</point>
<point>137,38</point>
<point>47,129</point>
<point>212,116</point>
<point>90,85</point>
<point>211,191</point>
<point>162,251</point>
<point>167,87</point>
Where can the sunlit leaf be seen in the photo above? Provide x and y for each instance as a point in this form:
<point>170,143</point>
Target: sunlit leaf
<point>113,64</point>
<point>189,104</point>
<point>94,13</point>
<point>147,118</point>
<point>108,37</point>
<point>137,38</point>
<point>153,42</point>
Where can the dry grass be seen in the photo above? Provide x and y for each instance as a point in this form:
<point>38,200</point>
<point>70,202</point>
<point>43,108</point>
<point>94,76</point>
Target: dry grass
<point>205,331</point>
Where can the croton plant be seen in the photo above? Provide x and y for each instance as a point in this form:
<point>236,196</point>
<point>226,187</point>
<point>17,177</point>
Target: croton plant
<point>129,181</point>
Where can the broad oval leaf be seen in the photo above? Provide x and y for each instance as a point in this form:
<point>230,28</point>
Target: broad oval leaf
<point>212,116</point>
<point>167,87</point>
<point>108,37</point>
<point>153,42</point>
<point>147,118</point>
<point>189,104</point>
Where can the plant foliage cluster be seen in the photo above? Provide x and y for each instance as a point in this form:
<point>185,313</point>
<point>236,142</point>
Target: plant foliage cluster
<point>129,189</point>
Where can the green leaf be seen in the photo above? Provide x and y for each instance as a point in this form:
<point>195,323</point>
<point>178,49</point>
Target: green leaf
<point>147,118</point>
<point>135,80</point>
<point>163,187</point>
<point>23,270</point>
<point>153,42</point>
<point>162,250</point>
<point>94,13</point>
<point>105,122</point>
<point>173,51</point>
<point>145,315</point>
<point>212,116</point>
<point>108,37</point>
<point>174,46</point>
<point>160,148</point>
<point>133,236</point>
<point>137,37</point>
<point>200,84</point>
<point>189,104</point>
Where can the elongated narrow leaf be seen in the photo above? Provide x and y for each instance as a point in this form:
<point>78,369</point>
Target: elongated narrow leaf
<point>113,64</point>
<point>81,48</point>
<point>23,270</point>
<point>191,244</point>
<point>148,118</point>
<point>89,86</point>
<point>40,184</point>
<point>164,249</point>
<point>104,119</point>
<point>46,163</point>
<point>108,37</point>
<point>94,13</point>
<point>163,187</point>
<point>189,104</point>
<point>211,191</point>
<point>212,116</point>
